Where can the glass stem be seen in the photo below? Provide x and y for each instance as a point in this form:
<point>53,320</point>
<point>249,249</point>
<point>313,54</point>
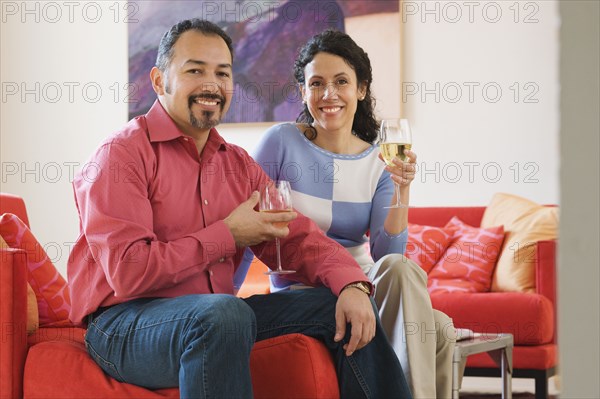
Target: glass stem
<point>277,248</point>
<point>397,189</point>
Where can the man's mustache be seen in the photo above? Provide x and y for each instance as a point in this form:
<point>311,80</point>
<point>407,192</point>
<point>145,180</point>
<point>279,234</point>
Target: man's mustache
<point>207,96</point>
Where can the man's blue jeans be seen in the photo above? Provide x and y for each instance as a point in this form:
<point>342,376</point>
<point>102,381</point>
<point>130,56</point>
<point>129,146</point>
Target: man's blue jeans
<point>202,343</point>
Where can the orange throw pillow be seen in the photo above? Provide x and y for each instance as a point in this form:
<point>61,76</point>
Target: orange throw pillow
<point>51,290</point>
<point>468,263</point>
<point>525,222</point>
<point>427,244</point>
<point>33,317</point>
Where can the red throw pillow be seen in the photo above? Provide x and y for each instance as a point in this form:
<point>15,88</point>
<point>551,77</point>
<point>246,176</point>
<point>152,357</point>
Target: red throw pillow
<point>51,289</point>
<point>469,261</point>
<point>427,244</point>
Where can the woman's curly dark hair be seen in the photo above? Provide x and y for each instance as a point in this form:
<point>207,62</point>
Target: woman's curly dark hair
<point>365,125</point>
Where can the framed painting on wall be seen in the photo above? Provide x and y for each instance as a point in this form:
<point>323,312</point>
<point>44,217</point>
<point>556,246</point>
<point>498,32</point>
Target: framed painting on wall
<point>266,37</point>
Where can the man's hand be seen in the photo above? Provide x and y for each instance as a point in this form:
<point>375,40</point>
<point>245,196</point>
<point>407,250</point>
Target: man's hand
<point>250,227</point>
<point>354,307</point>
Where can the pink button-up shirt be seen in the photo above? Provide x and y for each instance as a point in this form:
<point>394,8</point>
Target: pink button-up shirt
<point>151,219</point>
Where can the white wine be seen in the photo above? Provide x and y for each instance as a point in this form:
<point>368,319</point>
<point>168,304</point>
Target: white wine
<point>391,150</point>
<point>279,225</point>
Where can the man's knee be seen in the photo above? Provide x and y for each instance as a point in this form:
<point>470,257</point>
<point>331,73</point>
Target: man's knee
<point>227,313</point>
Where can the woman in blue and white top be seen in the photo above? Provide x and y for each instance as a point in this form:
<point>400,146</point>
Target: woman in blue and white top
<point>339,181</point>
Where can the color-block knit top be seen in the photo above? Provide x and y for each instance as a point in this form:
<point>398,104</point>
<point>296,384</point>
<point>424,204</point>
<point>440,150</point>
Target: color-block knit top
<point>344,194</point>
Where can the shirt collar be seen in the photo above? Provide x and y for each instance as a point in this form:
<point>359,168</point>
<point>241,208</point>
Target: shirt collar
<point>162,128</point>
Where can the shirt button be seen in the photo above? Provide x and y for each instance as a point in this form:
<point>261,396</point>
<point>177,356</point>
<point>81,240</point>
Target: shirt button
<point>205,202</point>
<point>222,260</point>
<point>210,272</point>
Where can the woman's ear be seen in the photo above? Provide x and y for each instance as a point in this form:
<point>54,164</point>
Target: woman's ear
<point>302,93</point>
<point>362,90</point>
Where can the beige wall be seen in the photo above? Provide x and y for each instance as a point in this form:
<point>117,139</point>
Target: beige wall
<point>578,271</point>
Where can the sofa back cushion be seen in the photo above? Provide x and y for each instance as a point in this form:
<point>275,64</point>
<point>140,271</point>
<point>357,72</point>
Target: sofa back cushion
<point>51,290</point>
<point>439,215</point>
<point>525,223</point>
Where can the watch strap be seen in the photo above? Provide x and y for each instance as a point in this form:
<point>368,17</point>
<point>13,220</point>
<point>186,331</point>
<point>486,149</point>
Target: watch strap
<point>361,285</point>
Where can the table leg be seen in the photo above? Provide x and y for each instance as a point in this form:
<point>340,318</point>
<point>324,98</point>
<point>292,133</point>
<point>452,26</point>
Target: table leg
<point>506,364</point>
<point>458,369</point>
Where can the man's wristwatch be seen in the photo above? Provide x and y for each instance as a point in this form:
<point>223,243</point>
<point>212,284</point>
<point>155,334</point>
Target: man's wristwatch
<point>361,285</point>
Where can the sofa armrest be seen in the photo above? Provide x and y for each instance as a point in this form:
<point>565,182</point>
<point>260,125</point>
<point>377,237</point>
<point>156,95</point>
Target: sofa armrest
<point>10,203</point>
<point>13,321</point>
<point>545,272</point>
<point>545,269</point>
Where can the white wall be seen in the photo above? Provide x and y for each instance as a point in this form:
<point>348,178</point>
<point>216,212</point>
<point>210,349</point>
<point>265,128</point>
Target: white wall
<point>481,90</point>
<point>43,139</point>
<point>61,67</point>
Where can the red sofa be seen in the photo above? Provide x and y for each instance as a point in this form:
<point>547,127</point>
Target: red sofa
<point>530,317</point>
<point>53,362</point>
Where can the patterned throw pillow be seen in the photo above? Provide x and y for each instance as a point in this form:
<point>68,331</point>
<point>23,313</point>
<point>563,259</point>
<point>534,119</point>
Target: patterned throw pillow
<point>468,263</point>
<point>427,244</point>
<point>51,289</point>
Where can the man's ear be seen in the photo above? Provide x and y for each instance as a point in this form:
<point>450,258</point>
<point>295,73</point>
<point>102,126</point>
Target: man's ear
<point>158,81</point>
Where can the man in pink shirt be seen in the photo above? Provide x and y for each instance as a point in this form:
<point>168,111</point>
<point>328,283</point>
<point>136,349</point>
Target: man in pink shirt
<point>166,209</point>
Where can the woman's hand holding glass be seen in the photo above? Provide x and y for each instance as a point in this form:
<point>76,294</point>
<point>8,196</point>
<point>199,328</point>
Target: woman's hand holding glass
<point>395,143</point>
<point>403,172</point>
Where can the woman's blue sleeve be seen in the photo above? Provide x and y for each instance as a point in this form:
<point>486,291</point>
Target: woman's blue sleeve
<point>242,270</point>
<point>382,243</point>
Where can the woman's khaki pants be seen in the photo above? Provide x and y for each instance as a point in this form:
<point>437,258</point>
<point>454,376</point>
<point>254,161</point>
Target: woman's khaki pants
<point>422,337</point>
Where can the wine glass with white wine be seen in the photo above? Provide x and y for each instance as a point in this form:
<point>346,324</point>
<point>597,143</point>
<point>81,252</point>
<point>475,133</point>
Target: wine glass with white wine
<point>395,137</point>
<point>276,197</point>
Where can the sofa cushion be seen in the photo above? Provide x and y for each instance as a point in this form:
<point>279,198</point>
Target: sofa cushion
<point>525,223</point>
<point>51,290</point>
<point>528,317</point>
<point>63,369</point>
<point>468,263</point>
<point>58,366</point>
<point>427,244</point>
<point>293,360</point>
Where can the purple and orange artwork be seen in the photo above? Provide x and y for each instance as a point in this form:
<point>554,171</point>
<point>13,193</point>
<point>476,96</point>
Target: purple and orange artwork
<point>266,37</point>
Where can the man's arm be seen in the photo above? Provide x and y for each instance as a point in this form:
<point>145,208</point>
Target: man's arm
<point>118,220</point>
<point>354,308</point>
<point>319,260</point>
